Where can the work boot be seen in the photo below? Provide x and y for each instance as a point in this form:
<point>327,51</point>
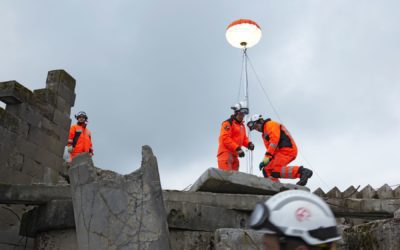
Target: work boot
<point>305,173</point>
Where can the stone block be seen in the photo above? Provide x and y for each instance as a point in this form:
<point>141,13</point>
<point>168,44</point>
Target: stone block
<point>242,202</point>
<point>396,193</point>
<point>58,77</point>
<point>396,214</point>
<point>62,84</point>
<point>11,122</point>
<point>385,192</point>
<point>26,112</point>
<point>191,240</point>
<point>196,217</point>
<point>54,215</point>
<point>334,193</point>
<point>35,194</point>
<point>367,193</point>
<point>47,139</point>
<point>12,93</point>
<point>56,239</point>
<point>114,211</point>
<point>319,192</point>
<point>62,119</point>
<point>379,234</point>
<point>238,239</point>
<point>219,181</point>
<point>350,192</point>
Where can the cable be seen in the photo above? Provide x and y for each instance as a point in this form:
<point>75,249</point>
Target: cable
<point>279,118</point>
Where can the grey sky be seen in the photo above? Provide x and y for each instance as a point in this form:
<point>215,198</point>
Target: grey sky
<point>161,73</point>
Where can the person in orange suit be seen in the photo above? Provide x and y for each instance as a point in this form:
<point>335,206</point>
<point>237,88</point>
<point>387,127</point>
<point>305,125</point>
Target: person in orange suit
<point>80,137</point>
<point>281,150</point>
<point>232,138</point>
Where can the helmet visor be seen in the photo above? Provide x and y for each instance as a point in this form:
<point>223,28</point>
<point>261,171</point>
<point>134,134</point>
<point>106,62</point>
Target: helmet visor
<point>250,125</point>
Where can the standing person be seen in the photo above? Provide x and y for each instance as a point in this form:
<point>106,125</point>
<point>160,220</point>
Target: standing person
<point>232,138</point>
<point>281,150</point>
<point>295,220</point>
<point>80,137</point>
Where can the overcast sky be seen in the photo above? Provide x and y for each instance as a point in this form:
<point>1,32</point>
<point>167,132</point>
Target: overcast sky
<point>161,73</point>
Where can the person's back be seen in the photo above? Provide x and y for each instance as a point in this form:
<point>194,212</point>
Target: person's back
<point>295,220</point>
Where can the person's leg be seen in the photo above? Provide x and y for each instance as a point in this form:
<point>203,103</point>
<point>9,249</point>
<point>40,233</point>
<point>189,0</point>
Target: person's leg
<point>226,161</point>
<point>280,168</point>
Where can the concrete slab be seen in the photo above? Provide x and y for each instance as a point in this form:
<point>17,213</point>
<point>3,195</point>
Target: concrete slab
<point>197,217</point>
<point>238,239</point>
<point>191,240</point>
<point>233,182</point>
<point>114,211</point>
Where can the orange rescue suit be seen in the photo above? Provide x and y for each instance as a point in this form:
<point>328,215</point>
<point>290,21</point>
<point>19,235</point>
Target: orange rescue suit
<point>232,136</point>
<point>80,138</point>
<point>282,150</point>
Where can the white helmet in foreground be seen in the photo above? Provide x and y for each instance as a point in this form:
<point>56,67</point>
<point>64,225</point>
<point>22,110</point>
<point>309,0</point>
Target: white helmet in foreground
<point>241,107</point>
<point>298,214</point>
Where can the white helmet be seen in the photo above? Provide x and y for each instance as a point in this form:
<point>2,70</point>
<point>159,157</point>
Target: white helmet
<point>253,120</point>
<point>296,213</point>
<point>241,107</point>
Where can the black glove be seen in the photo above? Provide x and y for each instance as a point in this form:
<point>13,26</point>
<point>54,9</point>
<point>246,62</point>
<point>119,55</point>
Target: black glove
<point>250,146</point>
<point>240,152</point>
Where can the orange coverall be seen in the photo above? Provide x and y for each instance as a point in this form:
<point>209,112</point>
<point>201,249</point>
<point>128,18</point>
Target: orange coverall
<point>282,150</point>
<point>80,139</point>
<point>232,136</point>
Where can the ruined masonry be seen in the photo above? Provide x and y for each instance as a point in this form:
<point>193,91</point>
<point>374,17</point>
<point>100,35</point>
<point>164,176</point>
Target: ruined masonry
<point>33,130</point>
<point>102,209</point>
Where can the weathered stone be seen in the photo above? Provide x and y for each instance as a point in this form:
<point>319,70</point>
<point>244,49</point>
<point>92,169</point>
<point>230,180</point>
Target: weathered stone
<point>35,194</point>
<point>191,240</point>
<point>219,181</point>
<point>196,217</point>
<point>396,192</point>
<point>9,121</point>
<point>396,214</point>
<point>116,211</point>
<point>12,93</point>
<point>242,202</point>
<point>385,192</point>
<point>350,192</point>
<point>319,192</point>
<point>334,193</point>
<point>238,239</point>
<point>56,214</point>
<point>57,239</point>
<point>58,77</point>
<point>367,193</point>
<point>380,234</point>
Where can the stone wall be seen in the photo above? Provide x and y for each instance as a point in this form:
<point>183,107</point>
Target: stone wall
<point>34,128</point>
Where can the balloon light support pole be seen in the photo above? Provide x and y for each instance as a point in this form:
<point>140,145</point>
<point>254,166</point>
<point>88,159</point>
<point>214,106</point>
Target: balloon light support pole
<point>244,34</point>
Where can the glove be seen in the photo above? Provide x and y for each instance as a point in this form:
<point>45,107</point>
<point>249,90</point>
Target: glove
<point>261,166</point>
<point>266,160</point>
<point>70,149</point>
<point>240,152</point>
<point>250,146</point>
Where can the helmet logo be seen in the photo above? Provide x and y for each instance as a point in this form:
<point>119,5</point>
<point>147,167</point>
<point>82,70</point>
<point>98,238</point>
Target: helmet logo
<point>302,214</point>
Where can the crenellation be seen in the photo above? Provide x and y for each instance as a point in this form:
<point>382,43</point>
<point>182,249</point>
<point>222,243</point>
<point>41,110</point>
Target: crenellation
<point>334,193</point>
<point>367,192</point>
<point>13,93</point>
<point>350,192</point>
<point>319,192</point>
<point>385,192</point>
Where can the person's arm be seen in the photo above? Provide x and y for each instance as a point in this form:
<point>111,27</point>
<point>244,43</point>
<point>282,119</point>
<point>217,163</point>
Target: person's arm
<point>274,134</point>
<point>226,136</point>
<point>71,139</point>
<point>91,145</point>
